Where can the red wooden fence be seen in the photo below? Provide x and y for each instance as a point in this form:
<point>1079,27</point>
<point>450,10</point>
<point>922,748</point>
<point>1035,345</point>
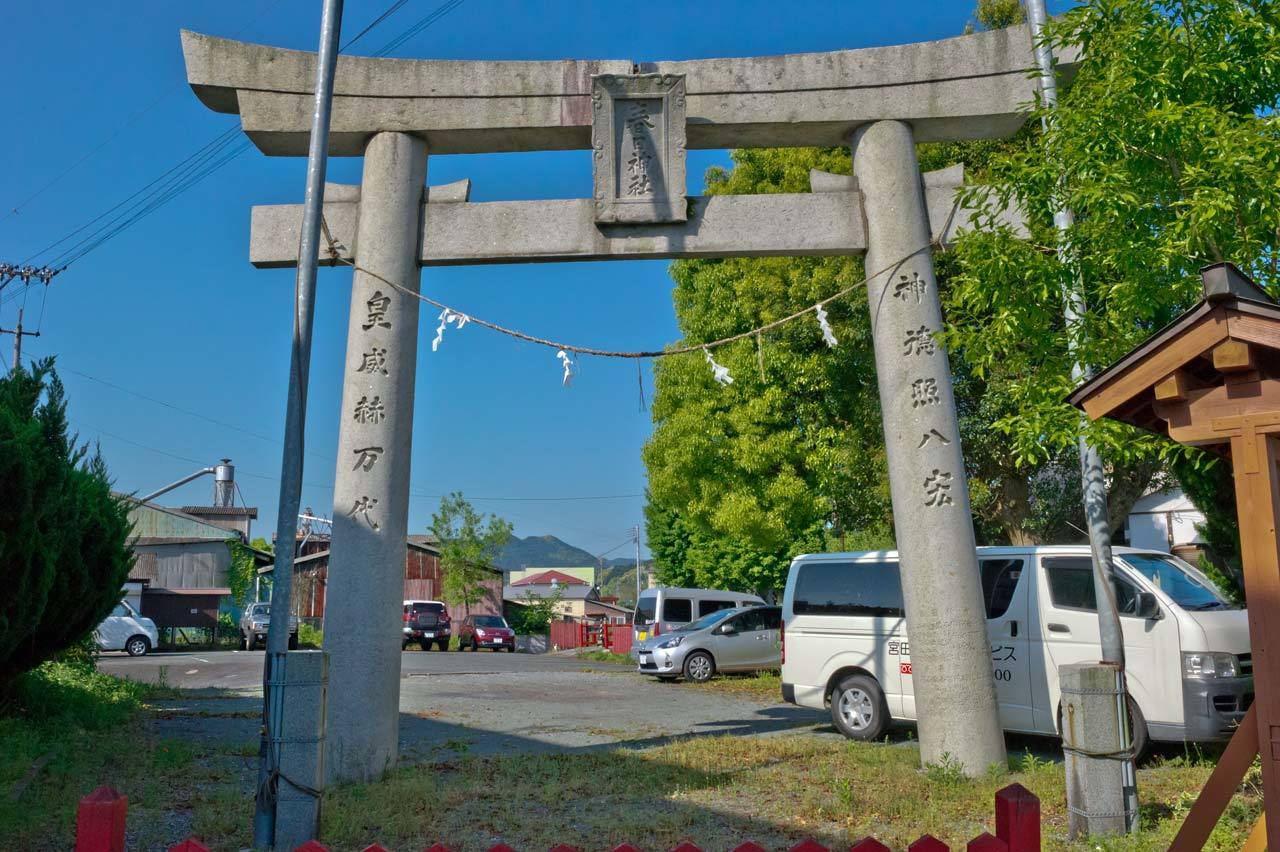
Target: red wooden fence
<point>100,828</point>
<point>565,634</point>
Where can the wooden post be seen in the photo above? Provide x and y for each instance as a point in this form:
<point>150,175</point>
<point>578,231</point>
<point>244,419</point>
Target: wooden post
<point>1256,457</point>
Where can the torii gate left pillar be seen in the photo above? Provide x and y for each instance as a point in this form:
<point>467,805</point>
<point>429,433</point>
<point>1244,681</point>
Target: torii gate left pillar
<point>371,490</point>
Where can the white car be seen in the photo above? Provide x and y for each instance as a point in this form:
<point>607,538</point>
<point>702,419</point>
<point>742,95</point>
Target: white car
<point>125,630</point>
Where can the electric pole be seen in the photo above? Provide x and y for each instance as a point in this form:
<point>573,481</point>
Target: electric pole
<point>637,539</point>
<point>8,272</point>
<point>1093,480</point>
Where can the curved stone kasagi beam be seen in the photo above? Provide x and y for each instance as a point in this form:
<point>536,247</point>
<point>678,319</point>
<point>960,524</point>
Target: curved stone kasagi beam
<point>975,86</point>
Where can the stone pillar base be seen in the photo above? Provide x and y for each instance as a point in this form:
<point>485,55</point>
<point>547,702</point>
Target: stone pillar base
<point>1091,744</point>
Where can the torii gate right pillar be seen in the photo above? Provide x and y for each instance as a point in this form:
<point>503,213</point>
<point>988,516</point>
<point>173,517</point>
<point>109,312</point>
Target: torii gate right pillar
<point>942,589</point>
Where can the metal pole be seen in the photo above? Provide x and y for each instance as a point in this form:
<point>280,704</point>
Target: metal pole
<point>17,342</point>
<point>1092,475</point>
<point>295,418</point>
<point>637,564</point>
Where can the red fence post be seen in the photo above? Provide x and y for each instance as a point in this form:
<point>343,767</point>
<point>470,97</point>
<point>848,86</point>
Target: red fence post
<point>749,846</point>
<point>100,821</point>
<point>1018,818</point>
<point>928,843</point>
<point>189,845</point>
<point>312,846</point>
<point>868,844</point>
<point>686,846</point>
<point>808,845</point>
<point>985,842</point>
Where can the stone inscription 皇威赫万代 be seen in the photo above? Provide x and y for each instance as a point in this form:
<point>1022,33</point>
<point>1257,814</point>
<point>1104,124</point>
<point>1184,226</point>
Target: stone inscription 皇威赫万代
<point>638,148</point>
<point>378,305</point>
<point>366,458</point>
<point>373,361</point>
<point>364,507</point>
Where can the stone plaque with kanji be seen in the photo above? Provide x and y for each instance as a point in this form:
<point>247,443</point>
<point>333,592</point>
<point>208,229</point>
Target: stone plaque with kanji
<point>638,142</point>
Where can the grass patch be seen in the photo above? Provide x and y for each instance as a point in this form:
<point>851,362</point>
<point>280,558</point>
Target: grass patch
<point>717,791</point>
<point>762,686</point>
<point>85,728</point>
<point>599,655</point>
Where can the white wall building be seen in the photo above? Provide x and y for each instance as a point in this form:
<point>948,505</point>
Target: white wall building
<point>1164,520</point>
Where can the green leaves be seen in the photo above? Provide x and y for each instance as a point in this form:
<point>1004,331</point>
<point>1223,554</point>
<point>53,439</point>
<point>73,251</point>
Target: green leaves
<point>469,543</point>
<point>1167,147</point>
<point>63,533</point>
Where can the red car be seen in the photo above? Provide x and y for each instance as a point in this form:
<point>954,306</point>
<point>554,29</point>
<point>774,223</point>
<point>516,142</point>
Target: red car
<point>486,631</point>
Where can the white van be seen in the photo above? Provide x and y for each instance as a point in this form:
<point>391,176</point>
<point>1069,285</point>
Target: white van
<point>1190,672</point>
<point>125,630</point>
<point>663,609</point>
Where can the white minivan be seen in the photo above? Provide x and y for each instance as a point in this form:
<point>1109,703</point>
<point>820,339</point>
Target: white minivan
<point>1190,672</point>
<point>665,608</point>
<point>125,630</point>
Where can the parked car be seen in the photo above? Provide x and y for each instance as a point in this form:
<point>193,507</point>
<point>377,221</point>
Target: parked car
<point>125,630</point>
<point>1188,663</point>
<point>254,622</point>
<point>427,623</point>
<point>727,640</point>
<point>486,631</point>
<point>663,609</point>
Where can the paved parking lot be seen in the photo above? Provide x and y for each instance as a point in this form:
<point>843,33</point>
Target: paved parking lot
<point>477,703</point>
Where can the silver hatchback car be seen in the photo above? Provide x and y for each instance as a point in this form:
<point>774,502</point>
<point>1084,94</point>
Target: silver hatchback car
<point>731,640</point>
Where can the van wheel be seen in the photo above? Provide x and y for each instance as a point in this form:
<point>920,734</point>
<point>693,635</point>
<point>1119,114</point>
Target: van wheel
<point>1139,734</point>
<point>137,646</point>
<point>858,708</point>
<point>699,667</point>
<point>244,643</point>
<point>293,641</point>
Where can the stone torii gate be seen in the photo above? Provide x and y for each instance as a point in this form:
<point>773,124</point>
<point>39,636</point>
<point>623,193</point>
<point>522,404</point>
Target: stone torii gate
<point>638,120</point>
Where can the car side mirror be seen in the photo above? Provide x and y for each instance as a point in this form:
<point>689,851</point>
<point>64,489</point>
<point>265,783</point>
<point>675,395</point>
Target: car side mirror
<point>1147,606</point>
<point>728,630</point>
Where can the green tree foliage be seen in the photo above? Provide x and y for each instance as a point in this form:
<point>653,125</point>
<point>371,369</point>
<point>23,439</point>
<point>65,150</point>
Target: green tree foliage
<point>535,616</point>
<point>1167,147</point>
<point>742,477</point>
<point>63,533</point>
<point>469,545</point>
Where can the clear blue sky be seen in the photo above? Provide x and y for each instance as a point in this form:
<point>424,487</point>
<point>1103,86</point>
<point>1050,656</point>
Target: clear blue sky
<point>171,309</point>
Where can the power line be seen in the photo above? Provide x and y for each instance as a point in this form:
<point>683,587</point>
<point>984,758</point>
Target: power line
<point>422,24</point>
<point>390,10</point>
<point>127,123</point>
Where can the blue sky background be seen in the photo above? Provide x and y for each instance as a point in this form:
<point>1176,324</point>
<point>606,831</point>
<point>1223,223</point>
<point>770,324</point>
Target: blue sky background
<point>169,316</point>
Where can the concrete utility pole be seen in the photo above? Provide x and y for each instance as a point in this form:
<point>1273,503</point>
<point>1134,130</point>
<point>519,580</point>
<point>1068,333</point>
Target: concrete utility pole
<point>18,334</point>
<point>1116,814</point>
<point>637,564</point>
<point>267,799</point>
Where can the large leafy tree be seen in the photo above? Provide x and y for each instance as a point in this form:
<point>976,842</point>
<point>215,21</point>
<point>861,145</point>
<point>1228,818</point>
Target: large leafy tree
<point>788,457</point>
<point>64,555</point>
<point>1167,147</point>
<point>469,545</point>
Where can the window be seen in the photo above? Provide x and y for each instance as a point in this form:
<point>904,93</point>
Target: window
<point>120,611</point>
<point>677,609</point>
<point>999,581</point>
<point>437,608</point>
<point>849,588</point>
<point>645,609</point>
<point>1071,585</point>
<point>489,621</point>
<point>708,607</point>
<point>1188,591</point>
<point>764,618</point>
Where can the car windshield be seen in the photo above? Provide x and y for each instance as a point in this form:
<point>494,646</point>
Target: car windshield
<point>1191,591</point>
<point>262,609</point>
<point>490,621</point>
<point>708,620</point>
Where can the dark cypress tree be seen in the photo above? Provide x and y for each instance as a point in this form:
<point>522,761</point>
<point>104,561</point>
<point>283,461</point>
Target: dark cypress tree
<point>63,533</point>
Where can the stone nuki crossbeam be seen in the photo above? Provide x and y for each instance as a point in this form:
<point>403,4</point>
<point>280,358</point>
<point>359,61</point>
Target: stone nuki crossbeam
<point>456,232</point>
